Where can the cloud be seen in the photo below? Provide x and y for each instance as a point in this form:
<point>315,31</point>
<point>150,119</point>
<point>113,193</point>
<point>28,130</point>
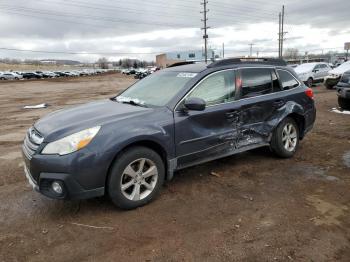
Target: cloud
<point>135,26</point>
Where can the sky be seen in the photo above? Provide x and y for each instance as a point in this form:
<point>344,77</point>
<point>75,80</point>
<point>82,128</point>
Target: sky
<point>86,30</point>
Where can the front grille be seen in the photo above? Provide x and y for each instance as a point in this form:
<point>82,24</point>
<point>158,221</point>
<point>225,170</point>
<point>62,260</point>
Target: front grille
<point>31,143</point>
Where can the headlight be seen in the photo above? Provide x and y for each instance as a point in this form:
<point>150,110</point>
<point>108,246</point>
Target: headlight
<point>71,143</point>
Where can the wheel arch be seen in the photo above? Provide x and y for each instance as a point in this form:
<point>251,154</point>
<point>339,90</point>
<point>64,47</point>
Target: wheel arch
<point>149,143</point>
<point>300,120</point>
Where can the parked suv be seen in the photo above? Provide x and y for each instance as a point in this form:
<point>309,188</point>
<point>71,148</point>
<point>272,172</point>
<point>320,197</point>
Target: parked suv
<point>128,145</point>
<point>335,75</point>
<point>311,73</point>
<point>343,91</point>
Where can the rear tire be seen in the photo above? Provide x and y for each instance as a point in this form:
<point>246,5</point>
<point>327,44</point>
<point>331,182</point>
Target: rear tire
<point>285,138</point>
<point>136,177</point>
<point>344,103</point>
<point>309,82</point>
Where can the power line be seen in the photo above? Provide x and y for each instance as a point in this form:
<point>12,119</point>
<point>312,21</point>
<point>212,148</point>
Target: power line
<point>97,18</point>
<point>109,7</point>
<point>78,53</point>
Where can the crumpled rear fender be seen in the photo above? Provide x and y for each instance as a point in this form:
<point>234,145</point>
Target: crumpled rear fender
<point>267,128</point>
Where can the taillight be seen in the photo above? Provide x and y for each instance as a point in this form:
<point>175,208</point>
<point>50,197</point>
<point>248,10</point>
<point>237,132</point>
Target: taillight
<point>310,93</point>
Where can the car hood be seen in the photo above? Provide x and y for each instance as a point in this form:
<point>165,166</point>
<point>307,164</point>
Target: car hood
<point>340,69</point>
<point>302,71</point>
<point>68,121</point>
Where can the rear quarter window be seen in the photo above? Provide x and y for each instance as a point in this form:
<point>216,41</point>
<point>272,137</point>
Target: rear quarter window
<point>288,81</point>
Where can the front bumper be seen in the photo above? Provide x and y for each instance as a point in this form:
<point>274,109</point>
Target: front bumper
<point>343,92</point>
<point>71,188</point>
<point>331,81</point>
<point>82,174</point>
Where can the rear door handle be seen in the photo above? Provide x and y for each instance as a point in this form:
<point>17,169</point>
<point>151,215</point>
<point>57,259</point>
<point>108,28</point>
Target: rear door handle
<point>279,103</point>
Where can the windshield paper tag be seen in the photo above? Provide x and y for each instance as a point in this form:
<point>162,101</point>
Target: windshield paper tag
<point>188,75</point>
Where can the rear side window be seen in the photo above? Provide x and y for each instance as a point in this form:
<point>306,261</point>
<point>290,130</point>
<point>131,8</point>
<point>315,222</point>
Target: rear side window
<point>217,88</point>
<point>256,81</point>
<point>288,81</point>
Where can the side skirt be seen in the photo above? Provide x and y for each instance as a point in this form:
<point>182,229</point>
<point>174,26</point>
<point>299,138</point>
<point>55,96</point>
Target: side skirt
<point>172,164</point>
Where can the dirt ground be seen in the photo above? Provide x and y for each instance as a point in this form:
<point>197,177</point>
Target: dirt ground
<point>255,208</point>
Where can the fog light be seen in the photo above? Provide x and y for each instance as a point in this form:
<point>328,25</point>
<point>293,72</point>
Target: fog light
<point>57,187</point>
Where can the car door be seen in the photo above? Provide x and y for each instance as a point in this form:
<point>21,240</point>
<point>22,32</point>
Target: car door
<point>259,102</point>
<point>324,69</point>
<point>318,72</point>
<point>204,135</point>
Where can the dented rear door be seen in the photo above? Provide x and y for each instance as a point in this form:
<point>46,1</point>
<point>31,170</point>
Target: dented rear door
<point>259,103</point>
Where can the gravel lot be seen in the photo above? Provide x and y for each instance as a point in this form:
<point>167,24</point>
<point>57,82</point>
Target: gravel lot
<point>254,207</point>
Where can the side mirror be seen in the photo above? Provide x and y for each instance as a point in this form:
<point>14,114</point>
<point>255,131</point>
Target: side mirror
<point>195,103</point>
<point>315,70</point>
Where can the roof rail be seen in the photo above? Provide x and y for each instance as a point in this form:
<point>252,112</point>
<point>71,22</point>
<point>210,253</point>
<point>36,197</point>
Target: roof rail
<point>181,63</point>
<point>262,61</point>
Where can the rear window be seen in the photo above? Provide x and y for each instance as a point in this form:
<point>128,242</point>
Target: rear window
<point>287,80</point>
<point>256,81</point>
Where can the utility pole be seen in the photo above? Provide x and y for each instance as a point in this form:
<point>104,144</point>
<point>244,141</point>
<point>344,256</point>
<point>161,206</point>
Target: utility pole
<point>223,50</point>
<point>279,35</point>
<point>205,28</point>
<point>251,49</point>
<point>282,31</point>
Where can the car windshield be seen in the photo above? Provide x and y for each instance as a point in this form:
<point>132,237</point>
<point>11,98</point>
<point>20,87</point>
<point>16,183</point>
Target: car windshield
<point>305,67</point>
<point>156,89</point>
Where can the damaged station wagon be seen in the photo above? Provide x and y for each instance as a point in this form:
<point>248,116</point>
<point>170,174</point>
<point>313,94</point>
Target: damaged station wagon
<point>128,145</point>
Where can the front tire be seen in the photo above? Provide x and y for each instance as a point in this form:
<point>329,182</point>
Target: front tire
<point>328,86</point>
<point>285,139</point>
<point>136,177</point>
<point>344,103</point>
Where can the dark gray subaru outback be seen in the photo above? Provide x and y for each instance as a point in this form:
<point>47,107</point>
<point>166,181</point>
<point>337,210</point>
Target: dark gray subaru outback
<point>127,146</point>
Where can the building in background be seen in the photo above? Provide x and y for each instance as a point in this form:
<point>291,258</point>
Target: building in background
<point>166,59</point>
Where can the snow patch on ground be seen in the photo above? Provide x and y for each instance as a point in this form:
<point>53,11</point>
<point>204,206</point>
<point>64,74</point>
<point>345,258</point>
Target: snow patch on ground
<point>335,110</point>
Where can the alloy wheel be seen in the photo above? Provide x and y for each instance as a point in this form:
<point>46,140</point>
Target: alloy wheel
<point>289,137</point>
<point>139,179</point>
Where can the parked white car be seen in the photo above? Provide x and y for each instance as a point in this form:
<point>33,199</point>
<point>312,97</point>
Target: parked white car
<point>334,75</point>
<point>10,76</point>
<point>310,73</point>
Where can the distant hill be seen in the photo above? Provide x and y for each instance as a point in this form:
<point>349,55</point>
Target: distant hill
<point>60,62</point>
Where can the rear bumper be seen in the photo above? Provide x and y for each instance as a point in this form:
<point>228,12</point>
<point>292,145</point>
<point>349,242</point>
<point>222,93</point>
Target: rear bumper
<point>310,118</point>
